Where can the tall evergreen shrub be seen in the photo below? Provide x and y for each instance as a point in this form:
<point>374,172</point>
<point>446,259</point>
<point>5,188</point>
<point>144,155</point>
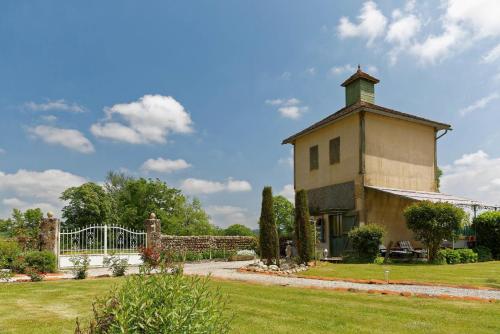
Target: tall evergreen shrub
<point>269,242</point>
<point>303,233</point>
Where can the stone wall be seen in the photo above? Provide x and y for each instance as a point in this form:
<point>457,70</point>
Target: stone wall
<point>205,243</point>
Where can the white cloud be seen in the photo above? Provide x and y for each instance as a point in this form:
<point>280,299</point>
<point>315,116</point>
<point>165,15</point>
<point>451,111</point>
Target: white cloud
<point>226,215</point>
<point>492,55</point>
<point>149,120</point>
<point>289,108</point>
<point>479,104</point>
<point>293,112</point>
<point>69,138</point>
<point>29,189</point>
<point>55,105</point>
<point>164,165</point>
<point>436,47</point>
<point>475,176</point>
<point>288,192</point>
<point>336,70</point>
<point>461,24</point>
<point>194,186</point>
<point>402,30</point>
<point>371,24</point>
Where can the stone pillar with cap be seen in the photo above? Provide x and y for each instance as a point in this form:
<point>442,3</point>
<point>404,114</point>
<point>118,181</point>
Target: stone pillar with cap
<point>153,231</point>
<point>49,233</point>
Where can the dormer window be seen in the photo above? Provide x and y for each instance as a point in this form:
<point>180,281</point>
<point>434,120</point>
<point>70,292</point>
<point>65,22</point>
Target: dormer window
<point>334,150</point>
<point>313,157</point>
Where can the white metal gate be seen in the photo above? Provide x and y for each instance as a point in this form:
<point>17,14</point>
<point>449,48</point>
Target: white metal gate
<point>99,241</point>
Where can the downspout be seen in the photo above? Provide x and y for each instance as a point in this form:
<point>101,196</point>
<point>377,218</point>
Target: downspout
<point>362,170</point>
<point>435,155</point>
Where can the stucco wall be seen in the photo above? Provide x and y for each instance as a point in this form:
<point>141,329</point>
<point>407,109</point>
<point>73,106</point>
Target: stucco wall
<point>387,210</point>
<point>399,153</point>
<point>348,131</point>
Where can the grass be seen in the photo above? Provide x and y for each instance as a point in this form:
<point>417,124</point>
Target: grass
<point>484,274</point>
<point>51,307</point>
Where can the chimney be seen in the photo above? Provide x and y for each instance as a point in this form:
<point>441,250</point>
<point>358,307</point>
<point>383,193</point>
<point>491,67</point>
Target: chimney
<point>359,87</point>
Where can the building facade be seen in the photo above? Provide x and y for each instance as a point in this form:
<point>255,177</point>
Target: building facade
<point>355,163</point>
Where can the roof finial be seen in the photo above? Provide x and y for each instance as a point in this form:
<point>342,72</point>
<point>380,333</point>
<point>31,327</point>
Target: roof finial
<point>359,67</point>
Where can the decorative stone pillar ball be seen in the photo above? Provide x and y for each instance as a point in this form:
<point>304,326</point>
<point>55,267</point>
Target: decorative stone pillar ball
<point>50,215</point>
<point>152,215</point>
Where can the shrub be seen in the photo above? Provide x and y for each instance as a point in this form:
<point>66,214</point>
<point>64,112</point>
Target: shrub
<point>483,254</point>
<point>150,256</point>
<point>487,227</point>
<point>449,256</point>
<point>467,255</point>
<point>19,265</point>
<point>366,240</point>
<point>303,229</point>
<point>433,222</point>
<point>80,266</point>
<point>117,264</point>
<point>5,274</point>
<point>9,251</point>
<point>163,303</point>
<point>43,261</point>
<point>379,260</point>
<point>455,256</point>
<point>34,274</point>
<point>269,244</point>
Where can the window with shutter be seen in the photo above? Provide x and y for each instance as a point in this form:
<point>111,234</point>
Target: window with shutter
<point>334,150</point>
<point>313,157</point>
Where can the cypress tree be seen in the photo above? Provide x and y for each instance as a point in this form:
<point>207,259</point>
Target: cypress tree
<point>269,242</point>
<point>303,233</point>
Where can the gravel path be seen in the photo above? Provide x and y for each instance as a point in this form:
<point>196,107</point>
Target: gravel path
<point>228,270</point>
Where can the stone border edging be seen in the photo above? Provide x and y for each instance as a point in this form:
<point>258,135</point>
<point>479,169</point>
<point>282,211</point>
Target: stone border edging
<point>375,281</point>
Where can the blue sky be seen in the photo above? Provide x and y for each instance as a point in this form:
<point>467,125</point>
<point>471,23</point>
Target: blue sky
<point>201,93</point>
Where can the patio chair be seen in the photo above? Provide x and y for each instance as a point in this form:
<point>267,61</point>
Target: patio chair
<point>382,250</point>
<point>407,246</point>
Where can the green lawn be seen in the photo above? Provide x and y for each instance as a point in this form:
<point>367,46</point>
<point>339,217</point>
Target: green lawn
<point>51,307</point>
<point>485,274</point>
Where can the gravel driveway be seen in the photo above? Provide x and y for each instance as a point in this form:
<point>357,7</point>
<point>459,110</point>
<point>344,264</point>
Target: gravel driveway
<point>228,270</point>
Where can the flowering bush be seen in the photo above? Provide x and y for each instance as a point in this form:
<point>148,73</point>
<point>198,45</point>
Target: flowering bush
<point>246,252</point>
<point>80,266</point>
<point>117,264</point>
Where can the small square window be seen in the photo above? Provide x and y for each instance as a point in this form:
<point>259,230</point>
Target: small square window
<point>335,150</point>
<point>313,157</point>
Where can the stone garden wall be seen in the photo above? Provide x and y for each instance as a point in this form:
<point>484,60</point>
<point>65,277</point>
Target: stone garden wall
<point>206,243</point>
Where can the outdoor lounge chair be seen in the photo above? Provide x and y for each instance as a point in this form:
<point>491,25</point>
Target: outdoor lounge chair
<point>406,246</point>
<point>382,250</point>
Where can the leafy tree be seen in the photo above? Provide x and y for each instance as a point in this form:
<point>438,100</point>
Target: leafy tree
<point>433,222</point>
<point>24,226</point>
<point>197,220</point>
<point>303,229</point>
<point>88,204</point>
<point>284,211</point>
<point>439,173</point>
<point>137,198</point>
<point>269,242</point>
<point>238,229</point>
<point>487,227</point>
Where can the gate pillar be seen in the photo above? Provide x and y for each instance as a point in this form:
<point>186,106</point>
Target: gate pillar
<point>152,226</point>
<point>49,234</point>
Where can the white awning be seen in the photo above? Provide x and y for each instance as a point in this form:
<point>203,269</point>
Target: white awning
<point>434,197</point>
